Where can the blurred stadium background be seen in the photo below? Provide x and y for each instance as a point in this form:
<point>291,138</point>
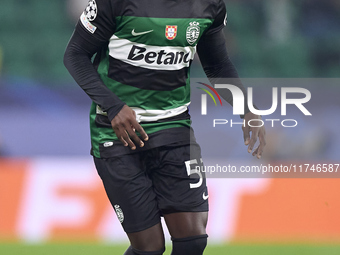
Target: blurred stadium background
<point>51,200</point>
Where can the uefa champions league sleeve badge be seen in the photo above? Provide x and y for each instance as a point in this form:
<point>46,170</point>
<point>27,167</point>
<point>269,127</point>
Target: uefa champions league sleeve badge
<point>89,14</point>
<point>91,10</point>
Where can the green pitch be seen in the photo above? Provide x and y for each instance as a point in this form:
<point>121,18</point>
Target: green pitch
<point>90,249</point>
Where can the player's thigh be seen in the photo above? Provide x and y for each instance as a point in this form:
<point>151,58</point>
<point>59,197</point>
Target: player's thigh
<point>130,191</point>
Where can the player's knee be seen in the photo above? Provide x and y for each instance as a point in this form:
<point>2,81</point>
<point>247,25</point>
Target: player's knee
<point>193,245</point>
<point>132,251</point>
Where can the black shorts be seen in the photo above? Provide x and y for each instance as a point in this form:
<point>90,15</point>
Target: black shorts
<point>144,186</point>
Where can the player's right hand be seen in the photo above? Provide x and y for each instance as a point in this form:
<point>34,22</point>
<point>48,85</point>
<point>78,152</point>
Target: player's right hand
<point>125,124</point>
<point>257,132</point>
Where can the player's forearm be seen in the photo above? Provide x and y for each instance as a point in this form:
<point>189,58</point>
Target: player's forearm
<point>218,66</point>
<point>77,60</point>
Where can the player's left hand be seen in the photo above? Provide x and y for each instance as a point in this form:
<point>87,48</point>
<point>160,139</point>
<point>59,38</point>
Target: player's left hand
<point>256,132</point>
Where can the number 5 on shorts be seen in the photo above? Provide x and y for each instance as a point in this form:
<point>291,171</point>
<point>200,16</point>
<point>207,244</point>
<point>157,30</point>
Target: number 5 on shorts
<point>191,171</point>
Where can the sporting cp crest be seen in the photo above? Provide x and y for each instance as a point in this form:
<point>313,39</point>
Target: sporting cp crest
<point>170,32</point>
<point>193,32</point>
<point>119,213</point>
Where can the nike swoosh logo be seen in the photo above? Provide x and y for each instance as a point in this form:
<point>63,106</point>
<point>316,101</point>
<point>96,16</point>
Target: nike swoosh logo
<point>205,197</point>
<point>140,33</point>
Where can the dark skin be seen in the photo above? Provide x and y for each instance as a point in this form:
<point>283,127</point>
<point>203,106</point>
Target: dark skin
<point>180,225</point>
<point>125,125</point>
<point>183,224</point>
<point>256,132</point>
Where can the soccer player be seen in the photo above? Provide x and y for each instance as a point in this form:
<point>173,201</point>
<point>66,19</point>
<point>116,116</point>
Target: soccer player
<point>142,143</point>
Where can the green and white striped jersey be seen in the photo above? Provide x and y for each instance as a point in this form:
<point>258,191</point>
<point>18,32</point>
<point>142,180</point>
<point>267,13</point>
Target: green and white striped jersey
<point>146,60</point>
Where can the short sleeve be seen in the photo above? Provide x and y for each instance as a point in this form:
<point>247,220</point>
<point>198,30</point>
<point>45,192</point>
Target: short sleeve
<point>97,22</point>
<point>220,18</point>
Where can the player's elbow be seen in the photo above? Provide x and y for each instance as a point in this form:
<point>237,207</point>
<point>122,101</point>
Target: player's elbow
<point>67,57</point>
<point>70,57</point>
